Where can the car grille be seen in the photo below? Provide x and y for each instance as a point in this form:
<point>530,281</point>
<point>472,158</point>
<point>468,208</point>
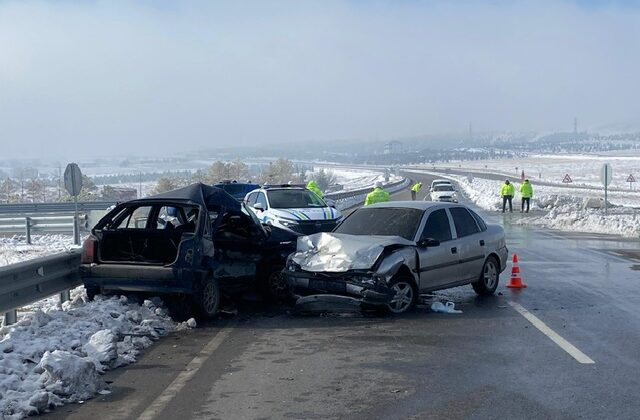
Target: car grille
<point>308,227</point>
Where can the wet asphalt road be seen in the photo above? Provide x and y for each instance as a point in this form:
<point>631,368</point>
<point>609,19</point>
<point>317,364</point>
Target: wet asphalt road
<point>488,362</point>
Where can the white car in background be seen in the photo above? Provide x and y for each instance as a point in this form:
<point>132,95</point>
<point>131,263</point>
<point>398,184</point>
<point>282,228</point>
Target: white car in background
<point>439,182</point>
<point>444,193</point>
<point>294,208</point>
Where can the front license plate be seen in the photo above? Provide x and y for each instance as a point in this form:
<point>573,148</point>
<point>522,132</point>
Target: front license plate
<point>331,286</point>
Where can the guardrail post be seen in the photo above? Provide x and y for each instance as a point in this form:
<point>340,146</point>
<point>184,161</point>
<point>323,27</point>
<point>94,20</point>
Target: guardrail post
<point>65,296</point>
<point>27,228</point>
<point>10,317</point>
<point>76,230</point>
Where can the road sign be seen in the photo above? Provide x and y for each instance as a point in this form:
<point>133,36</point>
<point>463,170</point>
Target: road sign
<point>631,178</point>
<point>73,179</point>
<point>606,174</point>
<point>567,179</point>
<point>73,185</point>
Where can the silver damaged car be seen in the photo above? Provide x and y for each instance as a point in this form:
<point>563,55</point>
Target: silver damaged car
<point>386,254</point>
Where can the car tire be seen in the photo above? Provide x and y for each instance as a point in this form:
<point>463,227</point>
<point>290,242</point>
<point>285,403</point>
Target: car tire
<point>92,292</point>
<point>406,294</point>
<point>276,286</point>
<point>206,299</point>
<point>487,283</point>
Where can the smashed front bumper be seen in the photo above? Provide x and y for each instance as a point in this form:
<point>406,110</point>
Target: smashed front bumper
<point>335,292</point>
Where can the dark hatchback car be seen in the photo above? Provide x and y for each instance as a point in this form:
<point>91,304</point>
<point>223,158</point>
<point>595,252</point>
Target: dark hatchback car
<point>237,190</point>
<point>190,244</point>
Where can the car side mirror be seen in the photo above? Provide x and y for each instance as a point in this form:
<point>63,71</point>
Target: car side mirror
<point>428,242</point>
<point>258,206</point>
<point>330,202</point>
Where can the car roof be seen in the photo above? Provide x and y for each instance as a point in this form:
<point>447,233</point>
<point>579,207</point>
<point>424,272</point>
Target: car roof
<point>200,194</point>
<point>419,205</point>
<point>442,180</point>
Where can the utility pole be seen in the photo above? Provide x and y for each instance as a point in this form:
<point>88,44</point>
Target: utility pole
<point>59,182</point>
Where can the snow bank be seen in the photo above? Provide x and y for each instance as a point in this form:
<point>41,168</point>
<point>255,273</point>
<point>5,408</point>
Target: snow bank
<point>576,212</point>
<point>55,354</point>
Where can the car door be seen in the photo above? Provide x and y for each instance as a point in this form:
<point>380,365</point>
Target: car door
<point>471,243</point>
<point>438,264</point>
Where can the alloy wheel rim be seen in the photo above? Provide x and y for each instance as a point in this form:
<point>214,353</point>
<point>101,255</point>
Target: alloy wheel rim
<point>402,298</point>
<point>277,285</point>
<point>209,298</point>
<point>490,275</point>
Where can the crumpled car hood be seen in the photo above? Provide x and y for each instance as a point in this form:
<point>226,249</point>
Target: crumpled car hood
<point>337,253</point>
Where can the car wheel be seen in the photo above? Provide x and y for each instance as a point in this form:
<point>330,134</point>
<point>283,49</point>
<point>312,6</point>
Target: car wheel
<point>92,292</point>
<point>277,286</point>
<point>207,299</point>
<point>405,294</point>
<point>488,281</point>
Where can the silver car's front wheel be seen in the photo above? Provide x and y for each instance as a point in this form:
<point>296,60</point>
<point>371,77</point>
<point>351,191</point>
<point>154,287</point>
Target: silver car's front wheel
<point>488,281</point>
<point>405,295</point>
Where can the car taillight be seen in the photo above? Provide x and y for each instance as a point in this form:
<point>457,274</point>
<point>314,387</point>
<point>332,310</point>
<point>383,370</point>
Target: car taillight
<point>89,250</point>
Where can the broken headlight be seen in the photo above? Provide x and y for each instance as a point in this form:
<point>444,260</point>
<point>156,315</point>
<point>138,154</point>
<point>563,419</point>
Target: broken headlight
<point>292,266</point>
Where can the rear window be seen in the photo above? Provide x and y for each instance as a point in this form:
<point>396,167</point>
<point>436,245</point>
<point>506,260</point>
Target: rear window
<point>383,222</point>
<point>443,187</point>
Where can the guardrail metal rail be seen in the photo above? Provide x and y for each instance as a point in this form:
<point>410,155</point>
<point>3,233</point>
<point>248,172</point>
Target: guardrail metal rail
<point>30,281</point>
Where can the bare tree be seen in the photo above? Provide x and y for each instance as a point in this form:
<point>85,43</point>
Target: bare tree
<point>164,185</point>
<point>219,171</point>
<point>324,179</point>
<point>278,172</point>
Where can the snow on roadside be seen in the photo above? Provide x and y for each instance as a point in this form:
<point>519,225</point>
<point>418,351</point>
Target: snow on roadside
<point>557,211</point>
<point>15,249</point>
<point>355,179</point>
<point>55,354</point>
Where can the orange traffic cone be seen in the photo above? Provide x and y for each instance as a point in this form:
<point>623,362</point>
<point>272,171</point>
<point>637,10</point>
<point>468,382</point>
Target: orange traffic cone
<point>515,282</point>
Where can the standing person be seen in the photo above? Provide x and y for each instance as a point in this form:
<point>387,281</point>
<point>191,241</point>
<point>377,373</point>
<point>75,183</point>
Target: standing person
<point>378,195</point>
<point>506,192</point>
<point>312,186</point>
<point>526,191</point>
<point>415,190</point>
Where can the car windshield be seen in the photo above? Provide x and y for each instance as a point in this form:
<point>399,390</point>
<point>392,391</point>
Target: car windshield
<point>443,187</point>
<point>294,199</point>
<point>382,221</point>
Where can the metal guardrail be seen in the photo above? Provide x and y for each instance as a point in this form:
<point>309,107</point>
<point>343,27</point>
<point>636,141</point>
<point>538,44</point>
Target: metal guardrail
<point>352,193</point>
<point>29,281</point>
<point>41,224</point>
<point>32,208</point>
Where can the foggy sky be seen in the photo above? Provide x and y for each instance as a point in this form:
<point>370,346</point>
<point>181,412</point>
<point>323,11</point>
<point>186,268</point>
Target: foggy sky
<point>110,77</point>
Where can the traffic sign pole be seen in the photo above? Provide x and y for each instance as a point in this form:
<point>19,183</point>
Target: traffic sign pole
<point>73,185</point>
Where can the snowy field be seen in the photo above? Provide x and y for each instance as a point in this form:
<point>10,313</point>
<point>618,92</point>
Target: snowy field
<point>574,210</point>
<point>15,249</point>
<point>583,169</point>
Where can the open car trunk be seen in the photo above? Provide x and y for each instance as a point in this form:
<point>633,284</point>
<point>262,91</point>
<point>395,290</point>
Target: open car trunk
<point>150,246</point>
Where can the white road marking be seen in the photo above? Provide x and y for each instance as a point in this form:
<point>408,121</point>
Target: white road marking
<point>554,336</point>
<point>162,401</point>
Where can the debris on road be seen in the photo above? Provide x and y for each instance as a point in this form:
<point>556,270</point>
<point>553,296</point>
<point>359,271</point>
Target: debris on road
<point>447,308</point>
